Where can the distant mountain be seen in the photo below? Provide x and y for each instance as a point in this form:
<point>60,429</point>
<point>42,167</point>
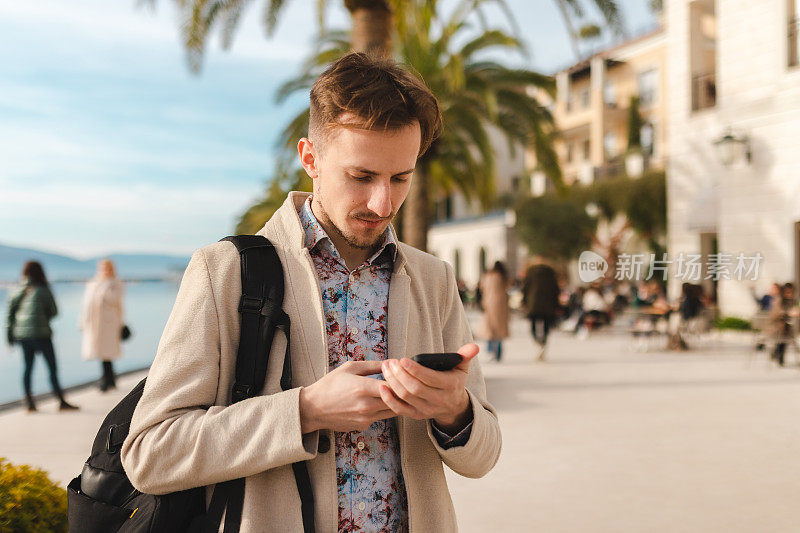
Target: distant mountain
<point>61,267</point>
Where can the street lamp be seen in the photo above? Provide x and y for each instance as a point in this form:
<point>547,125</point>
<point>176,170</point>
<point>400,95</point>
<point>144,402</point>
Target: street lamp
<point>729,146</point>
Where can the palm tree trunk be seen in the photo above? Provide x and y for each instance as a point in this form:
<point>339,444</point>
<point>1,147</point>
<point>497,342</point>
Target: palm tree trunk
<point>372,26</point>
<point>416,213</point>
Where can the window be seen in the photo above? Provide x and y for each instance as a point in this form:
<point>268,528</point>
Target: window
<point>703,54</point>
<point>792,32</point>
<point>610,144</point>
<point>610,93</point>
<point>648,87</point>
<point>647,138</point>
<point>586,98</point>
<point>587,150</point>
<point>569,152</point>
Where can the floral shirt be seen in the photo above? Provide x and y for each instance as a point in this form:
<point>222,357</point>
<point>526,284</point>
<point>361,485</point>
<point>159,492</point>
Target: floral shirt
<point>371,491</point>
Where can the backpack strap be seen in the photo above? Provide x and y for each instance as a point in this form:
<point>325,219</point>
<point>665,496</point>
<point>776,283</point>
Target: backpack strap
<point>262,314</point>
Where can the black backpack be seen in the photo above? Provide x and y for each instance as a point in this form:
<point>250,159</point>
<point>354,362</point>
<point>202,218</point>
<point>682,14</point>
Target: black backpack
<point>101,499</point>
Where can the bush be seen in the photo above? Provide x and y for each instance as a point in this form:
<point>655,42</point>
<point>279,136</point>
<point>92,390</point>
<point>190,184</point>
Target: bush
<point>30,501</point>
<point>732,322</point>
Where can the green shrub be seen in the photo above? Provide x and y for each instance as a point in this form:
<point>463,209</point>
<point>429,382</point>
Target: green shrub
<point>30,501</point>
<point>732,322</point>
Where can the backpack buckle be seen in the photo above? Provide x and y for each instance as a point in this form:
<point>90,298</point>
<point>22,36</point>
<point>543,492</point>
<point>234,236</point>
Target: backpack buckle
<point>111,443</point>
<point>240,392</point>
<point>251,305</point>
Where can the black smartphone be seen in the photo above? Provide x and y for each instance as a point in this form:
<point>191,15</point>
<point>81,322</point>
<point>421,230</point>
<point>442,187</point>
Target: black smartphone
<point>438,361</point>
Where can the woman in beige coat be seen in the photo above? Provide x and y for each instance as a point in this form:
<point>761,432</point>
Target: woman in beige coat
<point>494,301</point>
<point>101,320</point>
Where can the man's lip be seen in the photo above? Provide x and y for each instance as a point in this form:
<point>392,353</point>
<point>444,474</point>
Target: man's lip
<point>368,222</point>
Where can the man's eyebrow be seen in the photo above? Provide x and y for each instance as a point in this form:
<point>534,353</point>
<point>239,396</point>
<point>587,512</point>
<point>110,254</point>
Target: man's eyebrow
<point>373,173</point>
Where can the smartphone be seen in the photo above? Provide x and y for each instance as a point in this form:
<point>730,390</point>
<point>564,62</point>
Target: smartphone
<point>438,361</point>
<point>435,361</point>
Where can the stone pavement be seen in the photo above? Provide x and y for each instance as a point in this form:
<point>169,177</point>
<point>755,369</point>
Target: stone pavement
<point>597,439</point>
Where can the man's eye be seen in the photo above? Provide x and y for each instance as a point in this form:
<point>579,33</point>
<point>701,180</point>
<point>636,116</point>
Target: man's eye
<point>360,178</point>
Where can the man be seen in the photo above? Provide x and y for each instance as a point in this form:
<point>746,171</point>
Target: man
<point>360,303</point>
<point>540,300</point>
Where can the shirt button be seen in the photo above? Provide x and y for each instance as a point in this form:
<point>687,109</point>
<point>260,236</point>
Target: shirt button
<point>360,446</point>
<point>362,506</point>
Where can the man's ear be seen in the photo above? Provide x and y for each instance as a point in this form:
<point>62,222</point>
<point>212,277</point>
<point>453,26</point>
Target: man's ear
<point>308,157</point>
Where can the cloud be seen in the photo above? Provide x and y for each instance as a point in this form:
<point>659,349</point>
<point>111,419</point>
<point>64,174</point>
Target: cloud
<point>89,219</point>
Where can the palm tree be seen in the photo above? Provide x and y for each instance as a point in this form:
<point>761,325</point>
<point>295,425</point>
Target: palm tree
<point>372,23</point>
<point>573,13</point>
<point>474,94</point>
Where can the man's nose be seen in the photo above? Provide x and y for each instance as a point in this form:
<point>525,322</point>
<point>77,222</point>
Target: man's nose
<point>380,200</point>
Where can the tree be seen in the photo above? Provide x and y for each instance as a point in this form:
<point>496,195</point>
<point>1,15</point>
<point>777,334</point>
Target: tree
<point>473,94</point>
<point>372,23</point>
<point>554,226</point>
<point>573,14</point>
<point>635,123</point>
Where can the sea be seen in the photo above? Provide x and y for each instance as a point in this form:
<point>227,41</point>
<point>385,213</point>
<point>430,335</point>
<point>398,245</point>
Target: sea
<point>147,306</point>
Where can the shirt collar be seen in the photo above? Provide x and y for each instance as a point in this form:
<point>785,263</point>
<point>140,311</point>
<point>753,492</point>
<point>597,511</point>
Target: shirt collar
<point>315,234</point>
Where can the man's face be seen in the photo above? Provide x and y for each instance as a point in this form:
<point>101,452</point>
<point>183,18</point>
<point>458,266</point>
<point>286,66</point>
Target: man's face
<point>361,179</point>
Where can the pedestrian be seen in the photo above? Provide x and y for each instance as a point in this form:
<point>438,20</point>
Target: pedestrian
<point>494,288</point>
<point>360,303</point>
<point>540,293</point>
<point>767,301</point>
<point>594,309</point>
<point>780,322</point>
<point>30,309</point>
<point>101,321</point>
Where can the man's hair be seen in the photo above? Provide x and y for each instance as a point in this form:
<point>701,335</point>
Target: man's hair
<point>380,95</point>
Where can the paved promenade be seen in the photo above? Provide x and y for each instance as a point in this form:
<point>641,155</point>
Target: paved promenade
<point>597,439</point>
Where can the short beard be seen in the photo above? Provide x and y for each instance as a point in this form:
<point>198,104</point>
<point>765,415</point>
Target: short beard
<point>350,240</point>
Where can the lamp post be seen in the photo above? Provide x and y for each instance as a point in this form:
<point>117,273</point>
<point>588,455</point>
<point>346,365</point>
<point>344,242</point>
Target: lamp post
<point>729,146</point>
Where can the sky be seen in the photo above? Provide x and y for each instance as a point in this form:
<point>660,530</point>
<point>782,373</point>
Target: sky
<point>109,144</point>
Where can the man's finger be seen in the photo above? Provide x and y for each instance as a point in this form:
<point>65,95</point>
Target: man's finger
<point>467,352</point>
<point>432,378</point>
<point>362,368</point>
<point>398,406</point>
<point>404,385</point>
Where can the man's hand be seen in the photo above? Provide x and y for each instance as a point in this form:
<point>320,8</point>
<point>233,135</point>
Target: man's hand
<point>344,400</point>
<point>10,337</point>
<point>418,392</point>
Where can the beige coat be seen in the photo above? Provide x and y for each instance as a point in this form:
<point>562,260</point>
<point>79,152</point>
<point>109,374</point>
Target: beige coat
<point>101,319</point>
<point>494,301</point>
<point>182,434</point>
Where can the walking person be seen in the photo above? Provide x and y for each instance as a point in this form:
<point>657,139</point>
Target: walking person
<point>360,303</point>
<point>780,322</point>
<point>540,301</point>
<point>101,321</point>
<point>30,309</point>
<point>494,288</point>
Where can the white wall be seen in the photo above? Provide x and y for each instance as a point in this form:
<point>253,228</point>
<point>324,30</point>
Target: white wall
<point>468,237</point>
<point>758,96</point>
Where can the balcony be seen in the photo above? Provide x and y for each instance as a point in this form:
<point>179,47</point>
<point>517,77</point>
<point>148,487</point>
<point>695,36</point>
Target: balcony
<point>704,91</point>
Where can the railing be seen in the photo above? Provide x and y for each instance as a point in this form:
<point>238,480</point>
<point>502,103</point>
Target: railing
<point>704,91</point>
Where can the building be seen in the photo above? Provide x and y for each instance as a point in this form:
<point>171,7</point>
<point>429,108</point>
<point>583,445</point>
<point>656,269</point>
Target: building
<point>472,239</point>
<point>591,113</point>
<point>732,172</point>
<point>591,110</point>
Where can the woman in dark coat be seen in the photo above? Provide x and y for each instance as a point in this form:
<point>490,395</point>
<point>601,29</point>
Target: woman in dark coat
<point>30,310</point>
<point>539,301</point>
